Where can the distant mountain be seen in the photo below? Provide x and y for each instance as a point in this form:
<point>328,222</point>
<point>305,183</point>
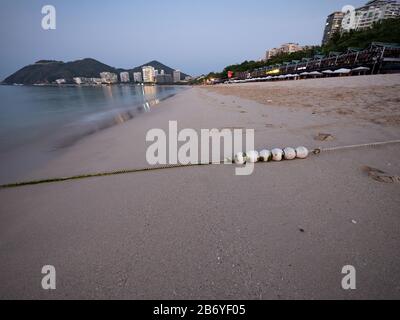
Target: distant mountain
<point>158,66</point>
<point>47,71</point>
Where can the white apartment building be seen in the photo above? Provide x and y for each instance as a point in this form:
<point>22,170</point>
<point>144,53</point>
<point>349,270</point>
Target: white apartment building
<point>284,48</point>
<point>148,74</point>
<point>137,77</point>
<point>109,77</point>
<point>87,81</point>
<point>61,81</point>
<point>124,77</point>
<point>177,76</point>
<point>373,11</point>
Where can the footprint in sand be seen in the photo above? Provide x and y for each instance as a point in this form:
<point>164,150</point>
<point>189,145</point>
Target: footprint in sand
<point>324,137</point>
<point>380,176</point>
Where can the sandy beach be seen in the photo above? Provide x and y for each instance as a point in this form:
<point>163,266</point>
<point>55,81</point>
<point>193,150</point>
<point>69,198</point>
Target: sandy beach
<point>285,232</point>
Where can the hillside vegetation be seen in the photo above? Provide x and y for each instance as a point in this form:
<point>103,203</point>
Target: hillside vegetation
<point>385,31</point>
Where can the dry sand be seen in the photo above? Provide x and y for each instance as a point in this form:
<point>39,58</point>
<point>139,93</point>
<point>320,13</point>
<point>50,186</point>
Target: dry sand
<point>203,233</point>
<point>376,99</point>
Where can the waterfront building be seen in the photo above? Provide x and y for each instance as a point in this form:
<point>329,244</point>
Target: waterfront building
<point>148,74</point>
<point>108,77</point>
<point>163,78</point>
<point>87,81</point>
<point>333,26</point>
<point>124,77</point>
<point>61,81</point>
<point>78,80</point>
<point>137,77</point>
<point>177,76</point>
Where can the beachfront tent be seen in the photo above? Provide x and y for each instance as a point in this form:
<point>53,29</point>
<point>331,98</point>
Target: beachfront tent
<point>304,74</point>
<point>342,71</point>
<point>360,70</point>
<point>291,76</point>
<point>315,74</point>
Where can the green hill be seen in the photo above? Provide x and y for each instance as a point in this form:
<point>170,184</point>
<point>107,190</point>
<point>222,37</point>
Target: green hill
<point>47,71</point>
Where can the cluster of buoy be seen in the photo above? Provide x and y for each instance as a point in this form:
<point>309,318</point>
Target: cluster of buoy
<point>273,155</point>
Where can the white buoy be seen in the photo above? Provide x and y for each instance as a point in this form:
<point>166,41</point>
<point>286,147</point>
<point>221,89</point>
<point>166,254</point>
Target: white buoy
<point>277,154</point>
<point>289,153</point>
<point>265,155</point>
<point>252,156</point>
<point>301,152</point>
<point>240,158</point>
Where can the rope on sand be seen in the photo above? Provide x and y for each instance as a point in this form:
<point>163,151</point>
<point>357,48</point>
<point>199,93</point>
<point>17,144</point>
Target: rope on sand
<point>355,146</point>
<point>316,151</point>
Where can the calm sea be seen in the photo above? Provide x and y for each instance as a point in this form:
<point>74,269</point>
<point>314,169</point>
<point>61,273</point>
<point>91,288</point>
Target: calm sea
<point>37,121</point>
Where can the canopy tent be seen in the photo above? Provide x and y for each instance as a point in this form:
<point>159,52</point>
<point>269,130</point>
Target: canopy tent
<point>342,71</point>
<point>327,71</point>
<point>304,73</point>
<point>361,69</point>
<point>315,73</point>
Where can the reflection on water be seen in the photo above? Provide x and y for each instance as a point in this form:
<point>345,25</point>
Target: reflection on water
<point>56,117</point>
<point>37,121</point>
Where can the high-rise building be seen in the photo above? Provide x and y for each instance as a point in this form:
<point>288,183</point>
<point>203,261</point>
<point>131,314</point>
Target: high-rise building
<point>148,74</point>
<point>373,11</point>
<point>333,26</point>
<point>124,76</point>
<point>108,77</point>
<point>177,76</point>
<point>137,77</point>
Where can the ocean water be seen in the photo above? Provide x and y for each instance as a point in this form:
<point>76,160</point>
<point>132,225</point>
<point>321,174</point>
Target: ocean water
<point>36,122</point>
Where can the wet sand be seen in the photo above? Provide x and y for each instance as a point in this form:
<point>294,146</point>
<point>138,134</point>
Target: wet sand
<point>284,232</point>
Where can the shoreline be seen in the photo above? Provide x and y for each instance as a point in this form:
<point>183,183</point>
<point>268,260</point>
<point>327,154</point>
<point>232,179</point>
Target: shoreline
<point>72,85</point>
<point>42,152</point>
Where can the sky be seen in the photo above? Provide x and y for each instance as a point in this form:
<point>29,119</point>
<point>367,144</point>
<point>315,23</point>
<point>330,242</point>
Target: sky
<point>194,36</point>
